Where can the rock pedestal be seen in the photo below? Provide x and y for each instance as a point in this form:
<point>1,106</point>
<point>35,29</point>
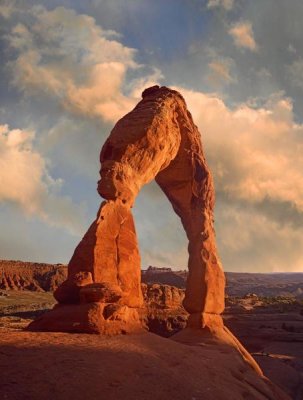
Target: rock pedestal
<point>103,288</point>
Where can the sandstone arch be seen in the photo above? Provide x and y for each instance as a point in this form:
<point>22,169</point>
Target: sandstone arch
<point>157,140</point>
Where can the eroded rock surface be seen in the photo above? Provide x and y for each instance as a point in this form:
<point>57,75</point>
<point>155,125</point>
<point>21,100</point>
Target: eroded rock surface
<point>162,296</point>
<point>157,140</point>
<point>38,277</point>
<point>58,366</point>
<point>109,252</point>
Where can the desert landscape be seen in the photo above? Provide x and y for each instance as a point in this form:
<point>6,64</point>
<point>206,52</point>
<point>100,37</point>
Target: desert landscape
<point>139,323</point>
<point>165,328</point>
<point>270,325</point>
<point>151,204</point>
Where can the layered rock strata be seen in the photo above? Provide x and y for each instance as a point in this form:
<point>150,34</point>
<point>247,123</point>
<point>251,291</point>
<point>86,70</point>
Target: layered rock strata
<point>37,277</point>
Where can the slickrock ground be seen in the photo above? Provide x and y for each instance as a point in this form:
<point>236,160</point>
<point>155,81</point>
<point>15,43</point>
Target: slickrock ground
<point>270,328</point>
<point>272,333</point>
<point>58,366</point>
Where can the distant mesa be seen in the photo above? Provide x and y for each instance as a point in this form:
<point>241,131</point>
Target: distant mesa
<point>102,293</point>
<point>165,276</point>
<point>151,270</point>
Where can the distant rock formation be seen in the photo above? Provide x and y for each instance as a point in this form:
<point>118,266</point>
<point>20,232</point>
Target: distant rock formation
<point>20,275</point>
<point>151,269</point>
<point>165,277</point>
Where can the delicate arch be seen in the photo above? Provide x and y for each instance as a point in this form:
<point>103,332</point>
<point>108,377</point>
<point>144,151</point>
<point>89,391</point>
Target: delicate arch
<point>158,140</point>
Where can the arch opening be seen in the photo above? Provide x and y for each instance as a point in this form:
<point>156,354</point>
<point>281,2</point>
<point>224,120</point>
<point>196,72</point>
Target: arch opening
<point>161,237</point>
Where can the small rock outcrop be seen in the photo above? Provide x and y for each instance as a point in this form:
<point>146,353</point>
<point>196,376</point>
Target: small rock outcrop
<point>162,296</point>
<point>163,313</point>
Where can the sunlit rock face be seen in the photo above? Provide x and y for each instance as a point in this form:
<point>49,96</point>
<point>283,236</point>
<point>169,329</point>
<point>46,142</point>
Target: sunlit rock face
<point>157,140</point>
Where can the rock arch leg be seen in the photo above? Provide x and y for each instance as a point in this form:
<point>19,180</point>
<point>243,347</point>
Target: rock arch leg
<point>206,281</point>
<point>188,184</point>
<point>103,288</point>
<point>108,253</point>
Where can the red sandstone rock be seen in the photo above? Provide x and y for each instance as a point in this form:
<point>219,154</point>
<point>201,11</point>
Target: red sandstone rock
<point>213,332</point>
<point>109,251</point>
<point>87,318</point>
<point>162,296</point>
<point>157,140</point>
<point>100,293</point>
<point>38,277</point>
<point>69,291</point>
<point>126,367</point>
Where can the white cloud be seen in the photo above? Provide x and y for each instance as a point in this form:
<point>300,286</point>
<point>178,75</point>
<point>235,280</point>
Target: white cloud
<point>162,240</point>
<point>256,157</point>
<point>250,241</point>
<point>243,35</point>
<point>226,4</point>
<point>137,86</point>
<point>74,145</point>
<point>26,182</point>
<point>254,153</point>
<point>69,57</point>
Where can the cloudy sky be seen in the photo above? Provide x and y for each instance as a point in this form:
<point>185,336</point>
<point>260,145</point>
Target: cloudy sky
<point>70,69</point>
